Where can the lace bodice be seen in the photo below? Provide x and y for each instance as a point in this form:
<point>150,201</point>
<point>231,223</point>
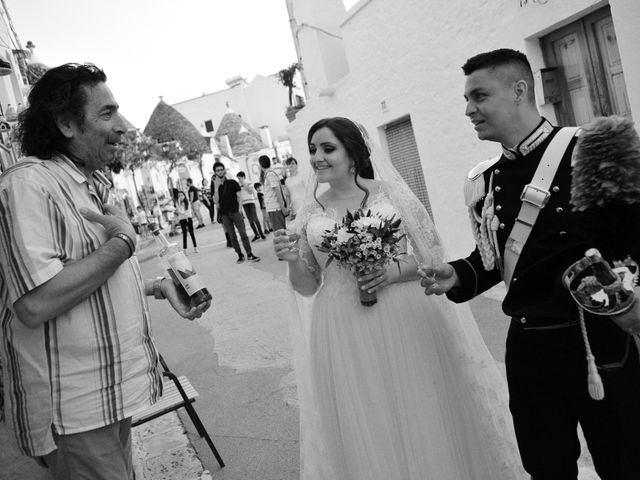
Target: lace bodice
<point>321,220</point>
<point>317,221</point>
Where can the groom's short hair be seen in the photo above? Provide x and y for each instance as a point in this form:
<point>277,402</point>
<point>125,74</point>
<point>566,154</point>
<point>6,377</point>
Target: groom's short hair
<point>504,57</point>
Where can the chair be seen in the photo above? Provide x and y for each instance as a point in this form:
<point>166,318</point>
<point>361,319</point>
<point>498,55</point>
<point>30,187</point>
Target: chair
<point>177,392</point>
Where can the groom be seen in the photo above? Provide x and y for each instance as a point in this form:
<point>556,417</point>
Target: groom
<point>545,358</point>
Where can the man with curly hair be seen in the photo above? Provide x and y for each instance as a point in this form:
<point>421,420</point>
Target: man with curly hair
<point>78,355</point>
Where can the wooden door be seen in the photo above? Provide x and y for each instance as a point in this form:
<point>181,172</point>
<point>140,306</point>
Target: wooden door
<point>591,77</point>
<point>607,44</point>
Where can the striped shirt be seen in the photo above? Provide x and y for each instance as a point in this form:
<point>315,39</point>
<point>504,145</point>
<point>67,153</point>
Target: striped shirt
<point>94,364</point>
<point>271,182</point>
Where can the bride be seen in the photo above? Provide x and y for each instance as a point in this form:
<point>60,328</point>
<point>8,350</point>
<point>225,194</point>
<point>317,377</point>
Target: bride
<point>404,389</point>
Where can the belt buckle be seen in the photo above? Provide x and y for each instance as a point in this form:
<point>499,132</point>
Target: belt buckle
<point>530,194</point>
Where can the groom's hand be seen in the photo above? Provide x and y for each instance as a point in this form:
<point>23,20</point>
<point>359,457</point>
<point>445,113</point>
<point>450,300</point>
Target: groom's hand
<point>630,320</point>
<point>438,279</point>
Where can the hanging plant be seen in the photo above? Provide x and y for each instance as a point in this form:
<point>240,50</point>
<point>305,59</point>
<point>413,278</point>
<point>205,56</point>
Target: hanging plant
<point>286,76</point>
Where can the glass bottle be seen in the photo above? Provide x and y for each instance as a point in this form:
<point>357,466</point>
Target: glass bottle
<point>175,262</point>
<point>11,113</point>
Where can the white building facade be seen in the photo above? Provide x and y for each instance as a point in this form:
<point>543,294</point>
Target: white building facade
<point>262,103</point>
<point>403,79</point>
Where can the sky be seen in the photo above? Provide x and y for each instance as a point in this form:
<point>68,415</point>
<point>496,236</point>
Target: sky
<point>151,48</point>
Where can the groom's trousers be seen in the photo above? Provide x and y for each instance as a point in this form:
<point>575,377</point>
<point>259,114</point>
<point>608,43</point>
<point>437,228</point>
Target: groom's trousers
<point>547,377</point>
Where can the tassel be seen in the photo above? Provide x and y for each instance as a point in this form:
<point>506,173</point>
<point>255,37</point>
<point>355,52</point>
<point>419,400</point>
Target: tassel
<point>595,385</point>
<point>596,388</point>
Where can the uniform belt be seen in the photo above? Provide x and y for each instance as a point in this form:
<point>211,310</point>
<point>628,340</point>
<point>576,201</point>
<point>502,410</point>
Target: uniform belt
<point>524,324</point>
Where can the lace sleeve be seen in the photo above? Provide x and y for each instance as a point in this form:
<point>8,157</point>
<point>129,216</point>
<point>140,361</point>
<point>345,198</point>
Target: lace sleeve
<point>423,241</point>
<point>306,253</point>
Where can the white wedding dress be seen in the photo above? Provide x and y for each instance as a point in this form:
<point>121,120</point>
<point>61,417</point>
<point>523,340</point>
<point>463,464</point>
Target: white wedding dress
<point>397,390</point>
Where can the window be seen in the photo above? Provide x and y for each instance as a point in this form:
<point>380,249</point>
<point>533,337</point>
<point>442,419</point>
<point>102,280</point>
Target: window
<point>590,70</point>
<point>208,126</point>
<point>403,152</point>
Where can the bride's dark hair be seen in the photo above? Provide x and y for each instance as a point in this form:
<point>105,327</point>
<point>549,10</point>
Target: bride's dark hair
<point>350,135</point>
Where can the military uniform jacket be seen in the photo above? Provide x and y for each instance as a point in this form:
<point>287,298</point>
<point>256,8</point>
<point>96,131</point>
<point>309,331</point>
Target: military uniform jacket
<point>536,298</point>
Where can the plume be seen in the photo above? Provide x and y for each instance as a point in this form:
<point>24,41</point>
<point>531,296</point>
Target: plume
<point>606,168</point>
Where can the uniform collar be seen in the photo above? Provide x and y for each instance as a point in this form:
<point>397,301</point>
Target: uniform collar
<point>530,142</point>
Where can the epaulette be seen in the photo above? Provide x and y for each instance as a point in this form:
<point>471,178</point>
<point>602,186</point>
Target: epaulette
<point>474,187</point>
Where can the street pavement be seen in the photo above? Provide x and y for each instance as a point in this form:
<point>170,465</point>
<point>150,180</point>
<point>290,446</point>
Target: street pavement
<point>238,357</point>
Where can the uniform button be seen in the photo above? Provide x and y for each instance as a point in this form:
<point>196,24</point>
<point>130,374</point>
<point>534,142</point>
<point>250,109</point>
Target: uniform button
<point>523,320</point>
<point>496,171</point>
<point>497,189</point>
<point>502,226</point>
<point>556,189</point>
<point>563,232</point>
<point>559,209</point>
<point>498,208</point>
<point>514,280</point>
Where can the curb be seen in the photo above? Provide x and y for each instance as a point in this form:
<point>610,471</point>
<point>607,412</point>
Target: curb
<point>161,450</point>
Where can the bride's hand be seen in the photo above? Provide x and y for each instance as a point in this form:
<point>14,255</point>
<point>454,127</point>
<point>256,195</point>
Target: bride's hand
<point>375,281</point>
<point>285,245</point>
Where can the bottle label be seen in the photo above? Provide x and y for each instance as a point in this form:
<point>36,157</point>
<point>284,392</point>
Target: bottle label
<point>185,273</point>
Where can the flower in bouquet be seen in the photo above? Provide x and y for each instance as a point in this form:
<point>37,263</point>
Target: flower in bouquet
<point>364,241</point>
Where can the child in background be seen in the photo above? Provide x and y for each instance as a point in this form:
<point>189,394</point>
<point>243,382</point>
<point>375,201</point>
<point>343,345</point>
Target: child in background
<point>142,222</point>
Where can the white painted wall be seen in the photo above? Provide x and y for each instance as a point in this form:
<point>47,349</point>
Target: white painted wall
<point>315,25</point>
<point>263,101</point>
<point>409,53</point>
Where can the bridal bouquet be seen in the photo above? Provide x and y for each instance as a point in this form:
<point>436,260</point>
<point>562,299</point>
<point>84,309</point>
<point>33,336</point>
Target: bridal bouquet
<point>364,242</point>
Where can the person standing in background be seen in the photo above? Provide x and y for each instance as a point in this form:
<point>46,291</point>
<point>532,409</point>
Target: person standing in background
<point>143,222</point>
<point>273,196</point>
<point>157,213</point>
<point>207,200</point>
<point>248,199</point>
<point>263,210</point>
<point>194,200</point>
<point>295,185</point>
<point>185,217</point>
<point>228,201</point>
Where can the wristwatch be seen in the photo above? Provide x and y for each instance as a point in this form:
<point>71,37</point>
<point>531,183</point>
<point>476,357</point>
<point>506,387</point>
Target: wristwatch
<point>157,288</point>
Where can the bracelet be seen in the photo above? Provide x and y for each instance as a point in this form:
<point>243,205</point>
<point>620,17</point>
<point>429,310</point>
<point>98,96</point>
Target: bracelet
<point>126,239</point>
<point>157,288</point>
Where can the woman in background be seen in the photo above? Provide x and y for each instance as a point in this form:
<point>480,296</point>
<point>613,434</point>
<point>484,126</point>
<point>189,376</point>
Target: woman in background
<point>185,217</point>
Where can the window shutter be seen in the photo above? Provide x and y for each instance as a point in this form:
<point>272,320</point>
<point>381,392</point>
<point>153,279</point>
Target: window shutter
<point>403,151</point>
